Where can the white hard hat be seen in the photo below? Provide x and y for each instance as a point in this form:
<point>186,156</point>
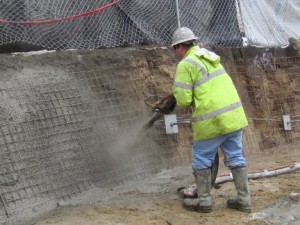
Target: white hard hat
<point>183,34</point>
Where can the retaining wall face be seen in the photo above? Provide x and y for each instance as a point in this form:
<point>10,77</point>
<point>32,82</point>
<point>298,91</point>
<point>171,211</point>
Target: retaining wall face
<point>70,120</point>
<point>46,138</point>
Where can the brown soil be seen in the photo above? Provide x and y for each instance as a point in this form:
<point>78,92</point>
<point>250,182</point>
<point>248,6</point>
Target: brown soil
<point>154,200</point>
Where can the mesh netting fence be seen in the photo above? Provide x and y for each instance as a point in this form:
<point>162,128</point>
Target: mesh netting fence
<point>56,24</point>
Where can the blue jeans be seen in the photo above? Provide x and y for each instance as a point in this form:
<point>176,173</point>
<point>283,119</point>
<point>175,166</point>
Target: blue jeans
<point>204,151</point>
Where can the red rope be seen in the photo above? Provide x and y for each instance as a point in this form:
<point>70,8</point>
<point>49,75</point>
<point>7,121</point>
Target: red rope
<point>37,22</point>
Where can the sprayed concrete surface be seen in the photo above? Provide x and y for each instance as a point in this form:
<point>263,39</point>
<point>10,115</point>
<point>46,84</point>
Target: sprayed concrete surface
<point>154,199</point>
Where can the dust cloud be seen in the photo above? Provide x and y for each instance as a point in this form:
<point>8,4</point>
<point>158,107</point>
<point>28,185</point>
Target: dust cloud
<point>129,153</point>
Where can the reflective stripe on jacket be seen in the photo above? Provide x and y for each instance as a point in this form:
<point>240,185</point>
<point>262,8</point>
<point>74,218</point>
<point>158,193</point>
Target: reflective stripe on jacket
<point>202,82</point>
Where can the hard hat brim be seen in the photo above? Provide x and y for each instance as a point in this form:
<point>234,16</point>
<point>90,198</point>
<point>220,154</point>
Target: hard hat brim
<point>185,40</point>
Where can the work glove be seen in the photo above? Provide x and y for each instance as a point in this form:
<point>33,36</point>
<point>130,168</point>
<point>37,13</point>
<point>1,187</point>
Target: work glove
<point>166,105</point>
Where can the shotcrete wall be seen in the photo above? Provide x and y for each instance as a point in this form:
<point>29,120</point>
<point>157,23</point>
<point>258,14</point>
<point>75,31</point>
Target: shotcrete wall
<point>74,119</point>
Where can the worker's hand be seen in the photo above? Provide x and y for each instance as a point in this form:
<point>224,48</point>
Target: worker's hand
<point>155,105</point>
<point>165,105</point>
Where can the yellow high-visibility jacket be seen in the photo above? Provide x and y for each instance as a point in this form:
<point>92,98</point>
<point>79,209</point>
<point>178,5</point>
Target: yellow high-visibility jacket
<point>202,82</point>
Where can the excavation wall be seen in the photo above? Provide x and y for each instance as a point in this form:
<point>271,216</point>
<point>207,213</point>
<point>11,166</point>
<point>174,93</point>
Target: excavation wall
<point>71,120</point>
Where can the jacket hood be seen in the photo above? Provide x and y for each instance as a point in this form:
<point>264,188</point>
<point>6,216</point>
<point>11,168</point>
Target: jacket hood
<point>208,55</point>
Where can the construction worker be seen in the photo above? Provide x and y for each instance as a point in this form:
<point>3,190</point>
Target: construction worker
<point>217,120</point>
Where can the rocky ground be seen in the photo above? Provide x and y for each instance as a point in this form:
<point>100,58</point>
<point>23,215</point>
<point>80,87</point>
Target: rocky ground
<point>153,199</point>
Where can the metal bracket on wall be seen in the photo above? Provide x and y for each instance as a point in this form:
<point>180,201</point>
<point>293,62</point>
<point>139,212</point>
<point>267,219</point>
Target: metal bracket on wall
<point>287,123</point>
<point>171,123</point>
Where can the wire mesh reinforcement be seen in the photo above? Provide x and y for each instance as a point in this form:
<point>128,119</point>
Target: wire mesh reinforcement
<point>58,136</point>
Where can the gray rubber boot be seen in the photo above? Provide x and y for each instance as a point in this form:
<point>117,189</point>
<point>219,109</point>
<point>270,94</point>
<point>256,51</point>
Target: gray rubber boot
<point>243,201</point>
<point>203,202</point>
